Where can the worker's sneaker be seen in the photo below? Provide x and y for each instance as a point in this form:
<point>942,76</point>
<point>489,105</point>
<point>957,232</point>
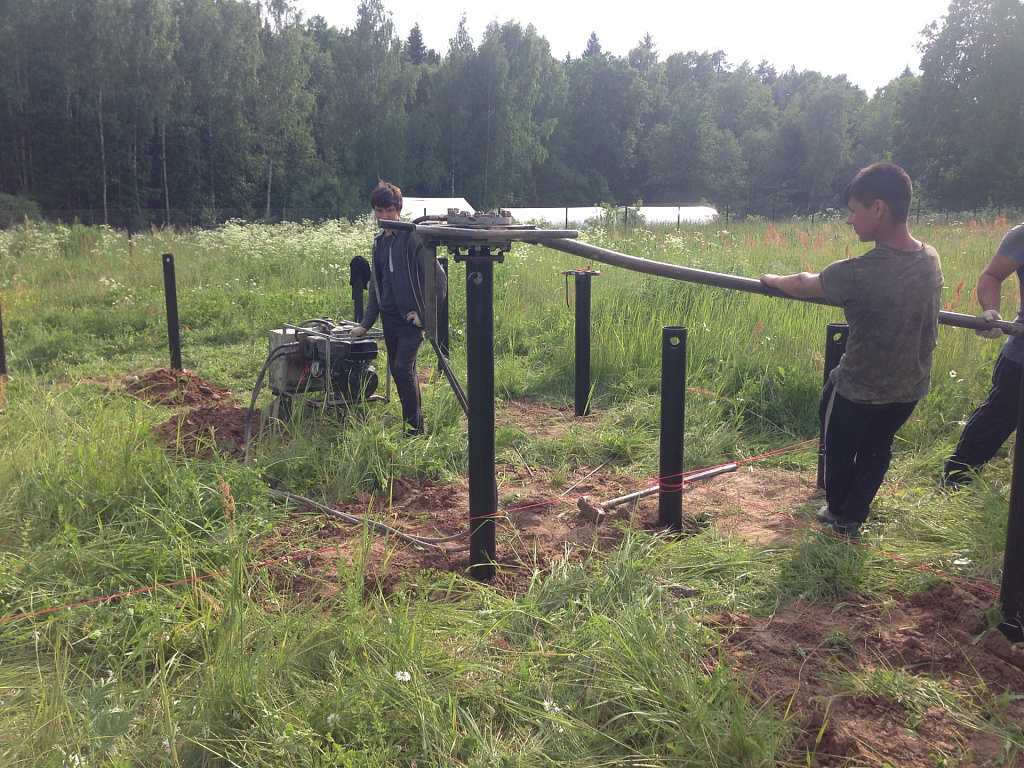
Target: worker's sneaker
<point>954,481</point>
<point>824,515</point>
<point>839,525</point>
<point>849,530</point>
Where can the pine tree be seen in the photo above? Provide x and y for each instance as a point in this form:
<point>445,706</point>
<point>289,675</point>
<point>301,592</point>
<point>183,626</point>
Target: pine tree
<point>414,51</point>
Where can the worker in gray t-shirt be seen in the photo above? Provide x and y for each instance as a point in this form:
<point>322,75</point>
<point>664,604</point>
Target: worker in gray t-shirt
<point>996,418</point>
<point>890,297</point>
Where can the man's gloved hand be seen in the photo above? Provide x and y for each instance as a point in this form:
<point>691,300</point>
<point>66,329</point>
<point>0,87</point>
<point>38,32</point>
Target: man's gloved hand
<point>357,332</point>
<point>414,318</point>
<point>990,333</point>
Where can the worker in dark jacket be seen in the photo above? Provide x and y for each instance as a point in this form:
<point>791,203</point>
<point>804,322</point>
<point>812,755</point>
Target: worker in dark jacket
<point>406,284</point>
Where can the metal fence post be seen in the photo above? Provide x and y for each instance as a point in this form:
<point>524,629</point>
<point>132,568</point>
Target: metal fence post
<point>835,345</point>
<point>673,415</point>
<point>3,349</point>
<point>3,363</point>
<point>171,299</point>
<point>357,304</point>
<point>483,498</point>
<point>358,277</point>
<point>442,320</point>
<point>1011,592</point>
<point>582,322</point>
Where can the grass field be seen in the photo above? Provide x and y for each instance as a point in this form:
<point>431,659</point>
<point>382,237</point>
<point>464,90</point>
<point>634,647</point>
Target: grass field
<point>655,652</point>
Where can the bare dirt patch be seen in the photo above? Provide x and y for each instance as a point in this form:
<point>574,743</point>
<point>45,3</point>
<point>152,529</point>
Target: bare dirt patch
<point>757,504</point>
<point>200,431</point>
<point>794,659</point>
<point>537,527</point>
<point>166,387</point>
<point>534,531</point>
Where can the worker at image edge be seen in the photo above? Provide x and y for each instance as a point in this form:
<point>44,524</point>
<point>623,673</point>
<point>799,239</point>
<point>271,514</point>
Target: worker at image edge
<point>995,419</point>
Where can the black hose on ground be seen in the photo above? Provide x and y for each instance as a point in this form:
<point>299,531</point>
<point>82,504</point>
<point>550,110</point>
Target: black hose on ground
<point>279,352</point>
<point>376,525</point>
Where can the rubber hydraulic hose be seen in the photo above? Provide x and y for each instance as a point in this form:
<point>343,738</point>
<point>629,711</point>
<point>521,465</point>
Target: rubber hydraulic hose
<point>378,526</point>
<point>737,282</point>
<point>280,351</point>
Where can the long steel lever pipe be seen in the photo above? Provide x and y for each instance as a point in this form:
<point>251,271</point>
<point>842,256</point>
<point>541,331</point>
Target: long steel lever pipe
<point>735,282</point>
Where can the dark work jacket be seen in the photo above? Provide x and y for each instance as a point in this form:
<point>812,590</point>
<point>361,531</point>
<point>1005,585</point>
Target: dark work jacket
<point>418,283</point>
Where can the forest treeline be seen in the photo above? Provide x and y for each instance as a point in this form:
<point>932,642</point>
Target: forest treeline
<point>148,111</point>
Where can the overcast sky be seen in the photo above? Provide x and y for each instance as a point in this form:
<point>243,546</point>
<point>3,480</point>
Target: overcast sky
<point>870,41</point>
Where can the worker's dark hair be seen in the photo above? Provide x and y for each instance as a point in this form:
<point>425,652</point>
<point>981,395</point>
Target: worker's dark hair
<point>886,182</point>
<point>386,194</point>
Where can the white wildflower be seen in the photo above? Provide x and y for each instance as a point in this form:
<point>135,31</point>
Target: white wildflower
<point>551,707</point>
<point>952,374</point>
<point>402,676</point>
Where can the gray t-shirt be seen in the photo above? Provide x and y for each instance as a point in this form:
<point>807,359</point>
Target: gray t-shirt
<point>1012,247</point>
<point>891,301</point>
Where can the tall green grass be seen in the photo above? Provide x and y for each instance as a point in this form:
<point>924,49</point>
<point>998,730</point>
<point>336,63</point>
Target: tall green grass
<point>596,664</point>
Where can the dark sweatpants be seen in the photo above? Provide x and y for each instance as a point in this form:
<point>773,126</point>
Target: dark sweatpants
<point>403,342</point>
<point>990,424</point>
<point>858,448</point>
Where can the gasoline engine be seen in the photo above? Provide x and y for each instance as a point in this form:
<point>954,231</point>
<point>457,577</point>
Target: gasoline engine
<point>320,358</point>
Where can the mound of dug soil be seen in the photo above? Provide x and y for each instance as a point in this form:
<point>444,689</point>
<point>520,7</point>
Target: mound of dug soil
<point>198,431</point>
<point>166,387</point>
<point>795,659</point>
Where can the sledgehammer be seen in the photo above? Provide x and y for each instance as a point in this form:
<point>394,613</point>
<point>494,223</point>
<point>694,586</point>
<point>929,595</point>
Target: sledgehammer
<point>595,512</point>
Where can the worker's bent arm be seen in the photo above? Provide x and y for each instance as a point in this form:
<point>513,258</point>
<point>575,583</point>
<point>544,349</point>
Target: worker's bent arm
<point>991,279</point>
<point>802,285</point>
